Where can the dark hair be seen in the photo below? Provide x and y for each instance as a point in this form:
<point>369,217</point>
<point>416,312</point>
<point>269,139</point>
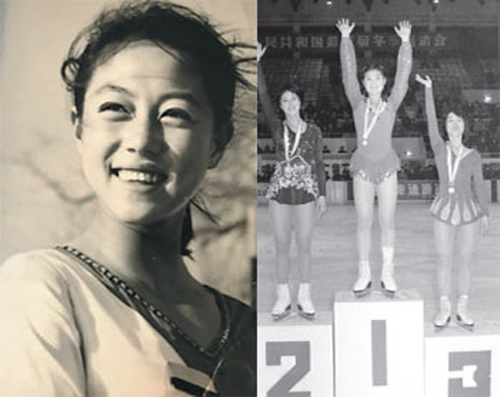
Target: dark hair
<point>457,111</point>
<point>380,68</point>
<point>181,32</point>
<point>294,89</point>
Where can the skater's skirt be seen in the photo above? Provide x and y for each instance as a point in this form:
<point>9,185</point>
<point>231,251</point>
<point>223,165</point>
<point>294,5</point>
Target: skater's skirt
<point>456,210</point>
<point>374,170</point>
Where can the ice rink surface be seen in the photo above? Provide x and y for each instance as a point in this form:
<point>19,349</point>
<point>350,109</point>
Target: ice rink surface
<point>335,258</point>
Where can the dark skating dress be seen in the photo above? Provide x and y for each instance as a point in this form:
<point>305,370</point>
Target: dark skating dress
<point>300,178</point>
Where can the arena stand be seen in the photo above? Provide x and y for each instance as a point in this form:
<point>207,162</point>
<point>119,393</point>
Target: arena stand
<point>465,76</point>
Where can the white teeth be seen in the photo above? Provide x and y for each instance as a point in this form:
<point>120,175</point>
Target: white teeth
<point>138,176</point>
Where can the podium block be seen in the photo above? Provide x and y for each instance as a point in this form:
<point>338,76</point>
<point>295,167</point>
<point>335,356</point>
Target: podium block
<point>379,345</point>
<point>295,357</point>
<point>463,365</point>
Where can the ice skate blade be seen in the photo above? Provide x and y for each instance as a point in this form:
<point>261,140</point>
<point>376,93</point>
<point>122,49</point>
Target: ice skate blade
<point>464,325</point>
<point>387,292</point>
<point>303,314</point>
<point>283,314</point>
<point>363,292</point>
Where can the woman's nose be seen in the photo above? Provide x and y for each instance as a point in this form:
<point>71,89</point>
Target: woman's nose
<point>146,137</point>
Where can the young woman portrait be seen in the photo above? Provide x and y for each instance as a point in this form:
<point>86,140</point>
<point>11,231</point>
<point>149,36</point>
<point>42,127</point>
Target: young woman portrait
<point>114,310</point>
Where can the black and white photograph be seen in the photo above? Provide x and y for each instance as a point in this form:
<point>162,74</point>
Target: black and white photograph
<point>378,189</point>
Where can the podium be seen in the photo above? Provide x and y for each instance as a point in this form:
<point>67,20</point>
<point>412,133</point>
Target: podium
<point>295,356</point>
<point>379,345</point>
<point>462,363</point>
<point>376,347</point>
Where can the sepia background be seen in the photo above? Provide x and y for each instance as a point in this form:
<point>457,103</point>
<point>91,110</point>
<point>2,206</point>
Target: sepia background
<point>44,199</point>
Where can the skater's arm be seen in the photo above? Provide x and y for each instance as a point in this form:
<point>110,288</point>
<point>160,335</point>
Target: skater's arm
<point>348,63</point>
<point>320,173</point>
<point>430,109</point>
<point>270,117</point>
<point>479,184</point>
<point>404,64</point>
<point>320,166</point>
<point>432,123</point>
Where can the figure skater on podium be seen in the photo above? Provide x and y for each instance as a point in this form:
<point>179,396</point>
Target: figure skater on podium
<point>460,209</point>
<point>296,191</point>
<point>374,164</point>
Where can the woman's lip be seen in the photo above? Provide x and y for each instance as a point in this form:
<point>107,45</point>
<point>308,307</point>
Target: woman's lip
<point>143,175</point>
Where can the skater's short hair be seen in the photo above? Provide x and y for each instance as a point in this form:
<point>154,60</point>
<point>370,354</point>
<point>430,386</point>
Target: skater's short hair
<point>459,112</point>
<point>380,68</point>
<point>176,29</point>
<point>294,89</point>
<point>374,66</point>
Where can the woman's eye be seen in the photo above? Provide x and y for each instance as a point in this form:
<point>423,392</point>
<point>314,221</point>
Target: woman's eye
<point>176,115</point>
<point>112,107</point>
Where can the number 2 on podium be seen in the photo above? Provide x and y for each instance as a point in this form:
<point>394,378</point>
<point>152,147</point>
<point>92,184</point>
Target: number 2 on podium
<point>302,353</point>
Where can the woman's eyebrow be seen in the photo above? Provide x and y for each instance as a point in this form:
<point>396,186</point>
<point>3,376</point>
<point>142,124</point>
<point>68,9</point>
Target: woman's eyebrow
<point>186,96</point>
<point>113,88</point>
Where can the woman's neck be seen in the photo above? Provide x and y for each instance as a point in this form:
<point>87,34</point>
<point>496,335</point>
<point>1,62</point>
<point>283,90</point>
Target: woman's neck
<point>293,121</point>
<point>137,254</point>
<point>374,100</point>
<point>456,144</point>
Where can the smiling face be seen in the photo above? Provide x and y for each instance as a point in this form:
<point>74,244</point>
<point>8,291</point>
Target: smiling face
<point>290,103</point>
<point>374,82</point>
<point>455,126</point>
<point>146,134</point>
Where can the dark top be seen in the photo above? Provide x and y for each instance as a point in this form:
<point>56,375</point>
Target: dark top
<point>307,161</point>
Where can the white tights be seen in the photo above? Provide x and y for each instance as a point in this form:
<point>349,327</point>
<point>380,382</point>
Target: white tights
<point>445,237</point>
<point>300,218</point>
<point>364,198</point>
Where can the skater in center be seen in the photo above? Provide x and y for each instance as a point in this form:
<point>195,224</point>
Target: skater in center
<point>374,164</point>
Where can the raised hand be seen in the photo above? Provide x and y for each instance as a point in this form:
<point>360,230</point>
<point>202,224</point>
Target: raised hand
<point>260,51</point>
<point>345,27</point>
<point>403,30</point>
<point>427,81</point>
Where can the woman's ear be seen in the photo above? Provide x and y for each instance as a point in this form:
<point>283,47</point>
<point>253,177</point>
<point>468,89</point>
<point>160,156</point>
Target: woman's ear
<point>77,122</point>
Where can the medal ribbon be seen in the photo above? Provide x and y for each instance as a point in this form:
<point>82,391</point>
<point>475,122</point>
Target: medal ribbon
<point>453,168</point>
<point>367,130</point>
<point>286,139</point>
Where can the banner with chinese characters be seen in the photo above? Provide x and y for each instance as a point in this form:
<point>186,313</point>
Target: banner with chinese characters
<point>417,190</point>
<point>329,40</point>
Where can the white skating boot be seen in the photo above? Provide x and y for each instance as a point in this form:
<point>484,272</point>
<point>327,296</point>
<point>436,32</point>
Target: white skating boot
<point>283,305</point>
<point>305,306</point>
<point>463,316</point>
<point>387,281</point>
<point>364,281</point>
<point>442,318</point>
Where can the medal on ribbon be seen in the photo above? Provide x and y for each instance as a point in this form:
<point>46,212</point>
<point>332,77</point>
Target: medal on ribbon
<point>286,138</point>
<point>367,130</point>
<point>453,166</point>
